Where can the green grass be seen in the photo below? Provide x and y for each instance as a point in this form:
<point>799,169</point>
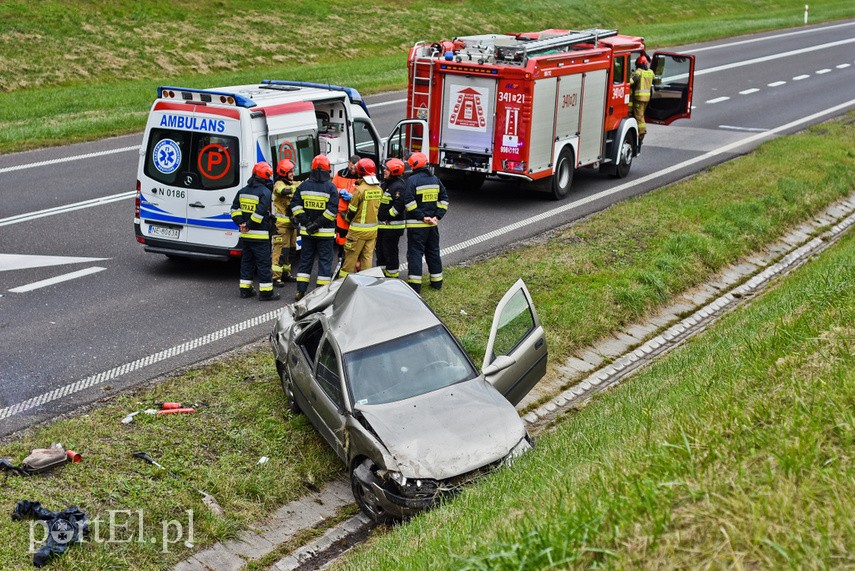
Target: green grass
<point>586,280</point>
<point>76,70</point>
<point>738,450</point>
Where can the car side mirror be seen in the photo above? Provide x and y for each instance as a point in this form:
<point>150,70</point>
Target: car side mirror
<point>501,363</point>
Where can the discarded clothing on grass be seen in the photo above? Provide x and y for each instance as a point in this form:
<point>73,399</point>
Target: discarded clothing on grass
<point>63,528</point>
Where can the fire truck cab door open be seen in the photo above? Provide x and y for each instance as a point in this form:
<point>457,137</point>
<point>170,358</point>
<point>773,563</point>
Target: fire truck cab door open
<point>408,136</point>
<point>672,88</point>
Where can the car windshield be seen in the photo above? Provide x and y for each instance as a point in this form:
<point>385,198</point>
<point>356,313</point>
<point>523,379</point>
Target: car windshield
<point>406,367</point>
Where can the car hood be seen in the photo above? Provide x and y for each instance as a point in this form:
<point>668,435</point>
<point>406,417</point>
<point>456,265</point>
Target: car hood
<point>447,432</point>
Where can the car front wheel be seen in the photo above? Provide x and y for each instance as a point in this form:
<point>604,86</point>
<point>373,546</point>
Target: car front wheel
<point>365,496</point>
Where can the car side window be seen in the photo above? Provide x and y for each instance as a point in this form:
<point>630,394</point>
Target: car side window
<point>309,341</point>
<point>515,323</point>
<point>328,374</point>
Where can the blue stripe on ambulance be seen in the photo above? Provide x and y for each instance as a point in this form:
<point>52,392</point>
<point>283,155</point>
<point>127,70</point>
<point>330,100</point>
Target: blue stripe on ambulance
<point>259,156</point>
<point>220,222</point>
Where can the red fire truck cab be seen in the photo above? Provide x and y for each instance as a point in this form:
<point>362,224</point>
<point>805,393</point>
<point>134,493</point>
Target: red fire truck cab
<point>534,106</point>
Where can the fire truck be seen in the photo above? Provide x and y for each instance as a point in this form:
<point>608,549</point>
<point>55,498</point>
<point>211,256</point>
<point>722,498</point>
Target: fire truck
<point>534,107</point>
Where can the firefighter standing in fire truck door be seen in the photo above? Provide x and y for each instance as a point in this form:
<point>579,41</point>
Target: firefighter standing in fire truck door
<point>251,212</point>
<point>641,85</point>
<point>314,209</point>
<point>285,238</point>
<point>362,217</point>
<point>391,217</point>
<point>344,180</point>
<point>426,202</point>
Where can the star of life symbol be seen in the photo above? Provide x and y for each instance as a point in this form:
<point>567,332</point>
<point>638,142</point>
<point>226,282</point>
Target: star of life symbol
<point>166,156</point>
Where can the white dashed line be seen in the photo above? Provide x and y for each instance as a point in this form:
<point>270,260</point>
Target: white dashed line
<point>58,279</point>
<point>822,71</point>
<point>749,91</point>
<point>717,100</point>
<point>842,66</point>
<point>777,83</point>
<point>800,77</point>
<point>748,129</point>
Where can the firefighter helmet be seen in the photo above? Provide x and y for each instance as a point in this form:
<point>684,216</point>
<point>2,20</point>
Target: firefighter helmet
<point>395,166</point>
<point>417,160</point>
<point>321,162</point>
<point>263,170</point>
<point>284,167</point>
<point>366,167</point>
<point>642,60</point>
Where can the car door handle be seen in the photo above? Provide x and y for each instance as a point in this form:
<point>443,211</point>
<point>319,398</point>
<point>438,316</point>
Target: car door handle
<point>539,344</point>
<point>197,205</point>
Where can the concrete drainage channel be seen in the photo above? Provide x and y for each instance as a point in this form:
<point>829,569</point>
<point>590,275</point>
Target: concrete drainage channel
<point>590,371</point>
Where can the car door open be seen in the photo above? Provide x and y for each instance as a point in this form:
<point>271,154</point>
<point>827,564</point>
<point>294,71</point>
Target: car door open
<point>516,351</point>
<point>672,88</point>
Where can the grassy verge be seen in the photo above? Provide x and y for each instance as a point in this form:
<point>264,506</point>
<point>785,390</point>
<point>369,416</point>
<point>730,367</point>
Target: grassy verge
<point>586,280</point>
<point>76,70</point>
<point>736,451</point>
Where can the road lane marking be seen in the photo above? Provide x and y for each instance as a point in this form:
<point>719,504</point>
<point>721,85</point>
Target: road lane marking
<point>789,54</point>
<point>9,262</point>
<point>749,129</point>
<point>776,83</point>
<point>800,77</point>
<point>384,103</point>
<point>823,71</point>
<point>69,159</point>
<point>115,372</point>
<point>717,100</point>
<point>842,66</point>
<point>58,279</point>
<point>749,91</point>
<point>775,37</point>
<point>67,208</point>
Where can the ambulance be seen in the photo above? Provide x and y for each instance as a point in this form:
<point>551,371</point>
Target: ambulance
<point>200,145</point>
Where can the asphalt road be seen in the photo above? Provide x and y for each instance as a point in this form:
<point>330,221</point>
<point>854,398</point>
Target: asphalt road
<point>121,316</point>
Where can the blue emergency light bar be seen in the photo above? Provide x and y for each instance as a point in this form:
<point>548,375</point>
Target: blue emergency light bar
<point>352,93</point>
<point>240,100</point>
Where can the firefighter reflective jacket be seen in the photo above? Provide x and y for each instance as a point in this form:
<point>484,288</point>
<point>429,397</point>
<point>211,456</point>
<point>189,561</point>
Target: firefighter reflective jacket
<point>316,199</point>
<point>425,196</point>
<point>343,180</point>
<point>362,212</point>
<point>641,83</point>
<point>251,206</point>
<point>392,209</point>
<point>283,192</point>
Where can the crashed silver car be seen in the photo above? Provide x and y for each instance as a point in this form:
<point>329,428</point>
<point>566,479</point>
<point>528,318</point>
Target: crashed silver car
<point>393,392</point>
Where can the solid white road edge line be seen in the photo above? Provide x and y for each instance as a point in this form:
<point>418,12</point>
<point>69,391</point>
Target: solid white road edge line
<point>775,37</point>
<point>67,208</point>
<point>115,372</point>
<point>789,54</point>
<point>57,279</point>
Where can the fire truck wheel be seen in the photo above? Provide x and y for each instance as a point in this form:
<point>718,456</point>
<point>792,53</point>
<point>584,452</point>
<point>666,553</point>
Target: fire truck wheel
<point>563,177</point>
<point>625,154</point>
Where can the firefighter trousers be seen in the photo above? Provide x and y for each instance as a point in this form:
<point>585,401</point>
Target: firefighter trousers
<point>387,251</point>
<point>311,247</point>
<point>358,249</point>
<point>423,242</point>
<point>638,109</point>
<point>284,242</point>
<point>255,258</point>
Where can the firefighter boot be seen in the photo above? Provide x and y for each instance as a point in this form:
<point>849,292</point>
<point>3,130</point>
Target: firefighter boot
<point>246,292</point>
<point>268,296</point>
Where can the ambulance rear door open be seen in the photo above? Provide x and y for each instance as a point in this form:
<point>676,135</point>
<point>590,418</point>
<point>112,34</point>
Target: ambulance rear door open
<point>191,171</point>
<point>672,88</point>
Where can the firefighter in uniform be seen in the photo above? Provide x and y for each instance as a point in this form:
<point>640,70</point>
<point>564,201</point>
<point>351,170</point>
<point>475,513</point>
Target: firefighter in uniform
<point>426,202</point>
<point>285,238</point>
<point>641,86</point>
<point>391,217</point>
<point>251,212</point>
<point>344,180</point>
<point>313,208</point>
<point>362,217</point>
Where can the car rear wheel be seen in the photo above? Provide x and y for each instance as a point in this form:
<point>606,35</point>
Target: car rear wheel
<point>286,388</point>
<point>365,497</point>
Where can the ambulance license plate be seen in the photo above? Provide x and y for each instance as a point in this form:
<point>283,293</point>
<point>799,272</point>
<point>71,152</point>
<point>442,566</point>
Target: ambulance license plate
<point>164,231</point>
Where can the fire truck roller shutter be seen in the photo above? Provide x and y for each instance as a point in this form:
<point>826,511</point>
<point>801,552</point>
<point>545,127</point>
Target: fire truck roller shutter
<point>593,111</point>
<point>542,124</point>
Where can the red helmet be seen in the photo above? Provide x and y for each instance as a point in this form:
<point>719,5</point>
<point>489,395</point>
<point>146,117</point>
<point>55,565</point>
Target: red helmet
<point>262,170</point>
<point>284,167</point>
<point>366,167</point>
<point>395,166</point>
<point>642,60</point>
<point>417,160</point>
<point>321,162</point>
